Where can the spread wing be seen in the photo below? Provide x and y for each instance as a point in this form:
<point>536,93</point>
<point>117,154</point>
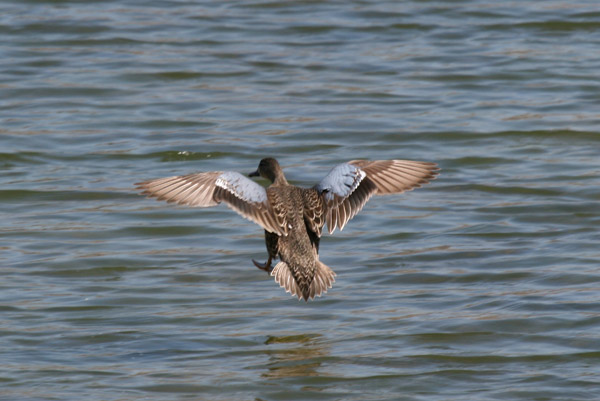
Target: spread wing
<point>346,189</point>
<point>240,193</point>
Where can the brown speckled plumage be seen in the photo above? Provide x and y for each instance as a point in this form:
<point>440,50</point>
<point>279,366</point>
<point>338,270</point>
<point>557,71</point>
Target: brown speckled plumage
<point>294,217</point>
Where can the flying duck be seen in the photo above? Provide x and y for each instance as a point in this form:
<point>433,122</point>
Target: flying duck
<point>293,217</point>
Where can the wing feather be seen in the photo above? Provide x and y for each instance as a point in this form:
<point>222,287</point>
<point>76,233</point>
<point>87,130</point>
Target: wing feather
<point>397,176</point>
<point>240,193</point>
<point>348,186</point>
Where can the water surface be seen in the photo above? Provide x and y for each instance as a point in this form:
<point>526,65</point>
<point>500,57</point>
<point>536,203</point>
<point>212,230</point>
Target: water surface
<point>484,285</point>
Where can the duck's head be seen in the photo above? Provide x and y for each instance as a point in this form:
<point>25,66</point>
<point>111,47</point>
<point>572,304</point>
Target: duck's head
<point>268,168</point>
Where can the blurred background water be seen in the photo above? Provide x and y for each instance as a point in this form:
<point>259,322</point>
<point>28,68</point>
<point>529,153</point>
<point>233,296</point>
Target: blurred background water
<point>484,285</point>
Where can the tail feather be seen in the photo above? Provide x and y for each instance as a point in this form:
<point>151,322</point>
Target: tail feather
<point>323,280</point>
<point>284,277</point>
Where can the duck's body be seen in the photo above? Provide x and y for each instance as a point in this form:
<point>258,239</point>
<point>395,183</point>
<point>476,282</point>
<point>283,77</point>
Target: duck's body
<point>299,270</point>
<point>293,217</point>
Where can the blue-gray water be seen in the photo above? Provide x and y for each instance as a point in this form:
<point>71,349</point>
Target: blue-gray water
<point>484,285</point>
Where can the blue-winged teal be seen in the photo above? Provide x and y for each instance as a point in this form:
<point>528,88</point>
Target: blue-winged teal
<point>293,217</point>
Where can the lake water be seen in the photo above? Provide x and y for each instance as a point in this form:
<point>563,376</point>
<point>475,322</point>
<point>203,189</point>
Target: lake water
<point>484,285</point>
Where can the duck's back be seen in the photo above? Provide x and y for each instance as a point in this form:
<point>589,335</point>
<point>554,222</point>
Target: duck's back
<point>296,249</point>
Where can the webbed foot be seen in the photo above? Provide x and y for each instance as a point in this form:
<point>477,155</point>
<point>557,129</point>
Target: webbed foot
<point>264,266</point>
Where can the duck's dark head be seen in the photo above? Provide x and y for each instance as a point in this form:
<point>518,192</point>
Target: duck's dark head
<point>269,168</point>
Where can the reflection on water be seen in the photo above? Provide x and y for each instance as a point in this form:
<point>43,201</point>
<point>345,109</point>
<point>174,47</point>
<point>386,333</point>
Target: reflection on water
<point>294,355</point>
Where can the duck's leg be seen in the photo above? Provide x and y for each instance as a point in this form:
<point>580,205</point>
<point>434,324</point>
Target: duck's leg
<point>264,266</point>
<point>271,241</point>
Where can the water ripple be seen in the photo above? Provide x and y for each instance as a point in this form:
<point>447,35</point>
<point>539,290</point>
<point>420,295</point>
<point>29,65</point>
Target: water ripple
<point>481,286</point>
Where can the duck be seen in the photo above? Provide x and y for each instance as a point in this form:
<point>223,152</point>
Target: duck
<point>293,217</point>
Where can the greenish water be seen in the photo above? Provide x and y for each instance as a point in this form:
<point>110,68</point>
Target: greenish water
<point>484,285</point>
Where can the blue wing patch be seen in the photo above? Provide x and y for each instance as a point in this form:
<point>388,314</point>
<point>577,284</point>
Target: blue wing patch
<point>341,182</point>
<point>242,187</point>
